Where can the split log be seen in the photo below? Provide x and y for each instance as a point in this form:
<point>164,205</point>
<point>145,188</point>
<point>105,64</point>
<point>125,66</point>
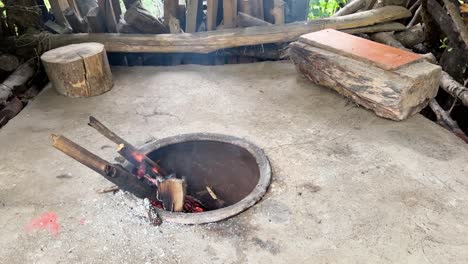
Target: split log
<point>77,23</point>
<point>395,85</point>
<point>454,88</point>
<point>205,42</point>
<point>12,108</point>
<point>19,77</point>
<point>112,172</point>
<point>96,23</point>
<point>444,119</point>
<point>141,19</point>
<point>244,20</point>
<point>172,194</point>
<point>351,7</point>
<point>411,37</point>
<point>8,62</point>
<point>79,70</point>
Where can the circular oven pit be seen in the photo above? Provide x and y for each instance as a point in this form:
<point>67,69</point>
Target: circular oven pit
<point>227,174</point>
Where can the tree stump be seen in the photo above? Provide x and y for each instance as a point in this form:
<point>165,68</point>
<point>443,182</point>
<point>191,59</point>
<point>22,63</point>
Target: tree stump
<point>79,70</point>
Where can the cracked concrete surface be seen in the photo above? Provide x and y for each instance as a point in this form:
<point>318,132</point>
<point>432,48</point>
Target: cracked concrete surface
<point>348,187</point>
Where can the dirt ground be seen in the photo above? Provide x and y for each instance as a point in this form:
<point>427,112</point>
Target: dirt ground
<point>348,186</point>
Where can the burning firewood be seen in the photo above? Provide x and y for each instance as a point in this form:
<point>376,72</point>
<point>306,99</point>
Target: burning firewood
<point>171,191</point>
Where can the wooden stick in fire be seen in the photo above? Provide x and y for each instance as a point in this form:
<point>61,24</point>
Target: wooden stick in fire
<point>112,172</point>
<point>171,191</point>
<point>130,152</point>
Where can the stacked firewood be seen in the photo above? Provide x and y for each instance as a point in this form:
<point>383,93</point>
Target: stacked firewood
<point>439,30</point>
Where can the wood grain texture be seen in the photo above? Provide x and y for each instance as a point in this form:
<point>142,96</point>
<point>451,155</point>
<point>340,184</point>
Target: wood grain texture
<point>204,42</point>
<point>79,70</point>
<point>391,94</point>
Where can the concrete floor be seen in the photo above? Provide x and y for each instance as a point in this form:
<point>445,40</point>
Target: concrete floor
<point>348,187</point>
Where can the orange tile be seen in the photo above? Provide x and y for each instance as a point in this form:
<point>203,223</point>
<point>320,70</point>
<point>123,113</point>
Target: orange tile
<point>383,56</point>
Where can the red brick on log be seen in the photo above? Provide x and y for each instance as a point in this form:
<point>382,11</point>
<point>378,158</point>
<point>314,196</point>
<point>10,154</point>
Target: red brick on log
<point>391,82</point>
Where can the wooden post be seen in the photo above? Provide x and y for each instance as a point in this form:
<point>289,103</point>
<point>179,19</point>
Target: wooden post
<point>58,6</point>
<point>252,7</point>
<point>278,12</point>
<point>211,14</point>
<point>192,14</point>
<point>106,9</point>
<point>77,23</point>
<point>117,9</point>
<point>79,70</point>
<point>229,13</point>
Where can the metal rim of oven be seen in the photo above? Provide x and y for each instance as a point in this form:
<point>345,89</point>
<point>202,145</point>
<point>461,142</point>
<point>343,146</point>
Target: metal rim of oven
<point>228,211</point>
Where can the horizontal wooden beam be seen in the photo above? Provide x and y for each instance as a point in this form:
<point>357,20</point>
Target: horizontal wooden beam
<point>205,42</point>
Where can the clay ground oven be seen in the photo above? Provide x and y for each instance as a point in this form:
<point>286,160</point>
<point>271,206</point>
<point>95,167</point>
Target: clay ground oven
<point>237,171</point>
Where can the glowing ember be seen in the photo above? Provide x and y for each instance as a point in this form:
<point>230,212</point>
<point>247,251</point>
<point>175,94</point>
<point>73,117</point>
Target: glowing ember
<point>191,205</point>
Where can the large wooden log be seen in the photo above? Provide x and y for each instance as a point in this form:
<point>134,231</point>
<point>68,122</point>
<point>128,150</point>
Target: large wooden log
<point>79,70</point>
<point>19,77</point>
<point>395,85</point>
<point>205,42</point>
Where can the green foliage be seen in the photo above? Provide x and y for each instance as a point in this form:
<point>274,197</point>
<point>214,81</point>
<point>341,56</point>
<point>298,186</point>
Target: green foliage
<point>323,8</point>
<point>443,45</point>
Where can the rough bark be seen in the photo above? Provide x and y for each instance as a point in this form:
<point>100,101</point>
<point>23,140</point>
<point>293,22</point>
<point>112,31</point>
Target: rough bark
<point>204,42</point>
<point>79,70</point>
<point>395,94</point>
